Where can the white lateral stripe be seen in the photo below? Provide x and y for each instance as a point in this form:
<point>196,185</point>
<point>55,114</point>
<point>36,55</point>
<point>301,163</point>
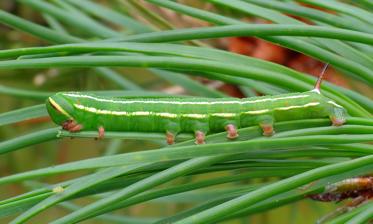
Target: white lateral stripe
<point>300,106</point>
<point>124,113</point>
<point>165,114</point>
<point>335,104</point>
<point>241,102</point>
<point>224,114</point>
<point>256,111</point>
<point>195,115</point>
<point>141,113</point>
<point>282,108</point>
<point>173,115</point>
<point>316,91</point>
<point>147,113</point>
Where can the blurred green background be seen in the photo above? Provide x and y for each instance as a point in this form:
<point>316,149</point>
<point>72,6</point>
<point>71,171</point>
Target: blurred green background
<point>85,79</point>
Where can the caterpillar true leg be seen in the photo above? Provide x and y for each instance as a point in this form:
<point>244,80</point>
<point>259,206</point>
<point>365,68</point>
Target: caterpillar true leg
<point>200,137</point>
<point>71,126</point>
<point>67,125</point>
<point>76,128</point>
<point>170,138</point>
<point>231,131</point>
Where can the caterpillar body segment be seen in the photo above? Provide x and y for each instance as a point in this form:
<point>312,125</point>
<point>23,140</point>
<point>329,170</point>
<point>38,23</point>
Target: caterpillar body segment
<point>79,111</point>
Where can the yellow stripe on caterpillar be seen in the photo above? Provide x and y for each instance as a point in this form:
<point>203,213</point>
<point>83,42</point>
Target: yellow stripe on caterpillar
<point>58,107</point>
<point>300,106</point>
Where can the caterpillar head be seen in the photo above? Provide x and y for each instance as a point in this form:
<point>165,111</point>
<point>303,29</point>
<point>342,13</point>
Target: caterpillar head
<point>59,108</point>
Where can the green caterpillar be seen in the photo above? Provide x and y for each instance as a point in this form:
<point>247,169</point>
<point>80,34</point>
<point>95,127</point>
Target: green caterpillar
<point>77,111</point>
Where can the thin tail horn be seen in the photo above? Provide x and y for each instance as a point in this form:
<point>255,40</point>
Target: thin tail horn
<point>319,80</point>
